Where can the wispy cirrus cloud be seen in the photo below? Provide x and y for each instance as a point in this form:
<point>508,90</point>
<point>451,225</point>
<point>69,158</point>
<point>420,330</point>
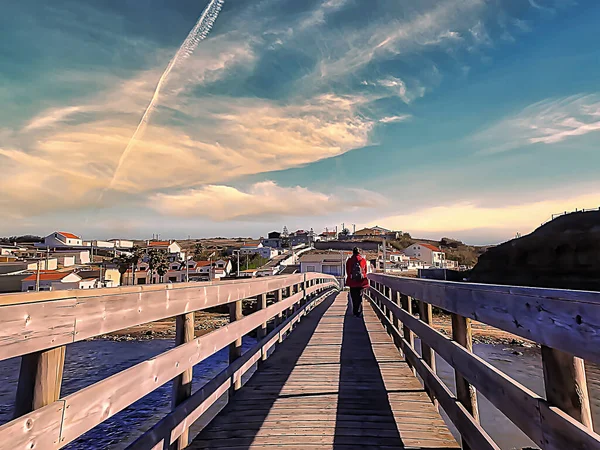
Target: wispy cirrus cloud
<point>547,122</point>
<point>394,119</point>
<point>261,201</point>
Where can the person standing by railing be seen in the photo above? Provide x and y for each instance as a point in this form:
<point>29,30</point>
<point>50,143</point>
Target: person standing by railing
<point>356,279</point>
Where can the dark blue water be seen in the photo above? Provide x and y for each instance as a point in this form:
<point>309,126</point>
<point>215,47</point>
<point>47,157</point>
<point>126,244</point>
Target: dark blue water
<point>89,362</point>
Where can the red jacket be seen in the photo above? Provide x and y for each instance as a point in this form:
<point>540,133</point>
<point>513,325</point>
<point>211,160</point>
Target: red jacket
<point>363,265</point>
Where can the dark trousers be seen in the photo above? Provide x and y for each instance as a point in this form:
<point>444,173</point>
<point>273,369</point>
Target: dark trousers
<point>356,296</point>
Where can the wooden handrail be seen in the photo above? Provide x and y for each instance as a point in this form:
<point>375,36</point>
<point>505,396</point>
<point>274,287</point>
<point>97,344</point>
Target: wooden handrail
<point>559,318</point>
<point>55,318</point>
<point>61,421</point>
<point>545,423</point>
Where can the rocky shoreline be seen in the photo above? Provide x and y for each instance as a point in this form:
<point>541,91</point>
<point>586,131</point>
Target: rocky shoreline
<point>204,323</point>
<point>482,333</point>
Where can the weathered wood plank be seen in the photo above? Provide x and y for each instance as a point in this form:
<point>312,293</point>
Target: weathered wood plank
<point>346,403</point>
<point>182,384</point>
<point>29,324</point>
<point>170,427</point>
<point>32,327</point>
<point>473,435</point>
<point>558,318</point>
<point>96,403</point>
<point>39,430</point>
<point>40,380</point>
<point>566,384</point>
<point>465,392</point>
<point>515,401</point>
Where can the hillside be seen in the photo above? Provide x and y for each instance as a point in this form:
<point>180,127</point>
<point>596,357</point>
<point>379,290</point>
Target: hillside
<point>564,253</point>
<point>455,250</point>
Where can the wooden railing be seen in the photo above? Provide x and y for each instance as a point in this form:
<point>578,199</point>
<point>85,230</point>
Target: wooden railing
<point>37,327</point>
<point>565,323</point>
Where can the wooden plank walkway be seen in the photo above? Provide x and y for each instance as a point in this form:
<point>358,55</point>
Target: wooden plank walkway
<point>337,382</point>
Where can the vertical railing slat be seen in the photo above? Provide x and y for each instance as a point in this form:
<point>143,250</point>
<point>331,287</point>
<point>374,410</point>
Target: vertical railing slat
<point>182,384</point>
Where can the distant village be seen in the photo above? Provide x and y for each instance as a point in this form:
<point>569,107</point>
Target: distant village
<point>64,260</point>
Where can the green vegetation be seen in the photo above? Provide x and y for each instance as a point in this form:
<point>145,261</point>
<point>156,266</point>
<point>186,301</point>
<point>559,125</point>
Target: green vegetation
<point>254,262</point>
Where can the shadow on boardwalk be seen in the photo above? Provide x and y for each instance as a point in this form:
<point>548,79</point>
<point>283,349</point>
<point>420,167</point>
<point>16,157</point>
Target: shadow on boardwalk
<point>337,382</point>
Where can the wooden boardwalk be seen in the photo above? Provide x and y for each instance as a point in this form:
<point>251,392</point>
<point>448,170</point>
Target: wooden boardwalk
<point>337,382</point>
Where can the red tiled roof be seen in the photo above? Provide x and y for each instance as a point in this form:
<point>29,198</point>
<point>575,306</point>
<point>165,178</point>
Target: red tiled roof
<point>158,244</point>
<point>68,235</point>
<point>202,263</point>
<point>430,247</point>
<point>49,275</point>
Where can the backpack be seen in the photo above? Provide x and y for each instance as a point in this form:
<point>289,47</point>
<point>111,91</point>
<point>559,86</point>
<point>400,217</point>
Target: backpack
<point>357,271</point>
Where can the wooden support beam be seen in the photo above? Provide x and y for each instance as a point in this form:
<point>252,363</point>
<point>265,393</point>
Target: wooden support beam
<point>40,379</point>
<point>566,384</point>
<point>261,303</point>
<point>235,348</point>
<point>278,298</point>
<point>406,305</point>
<point>426,315</point>
<point>465,392</point>
<point>182,384</point>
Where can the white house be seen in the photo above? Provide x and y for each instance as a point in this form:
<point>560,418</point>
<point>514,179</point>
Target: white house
<point>428,253</point>
<point>70,257</point>
<point>45,264</point>
<point>416,263</point>
<point>259,249</point>
<point>332,263</point>
<point>53,281</point>
<point>397,257</point>
<point>62,239</point>
<point>250,248</point>
<point>122,244</point>
<point>173,249</point>
<point>100,244</point>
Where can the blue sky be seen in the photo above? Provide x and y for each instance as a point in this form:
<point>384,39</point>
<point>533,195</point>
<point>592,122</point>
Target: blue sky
<point>464,118</point>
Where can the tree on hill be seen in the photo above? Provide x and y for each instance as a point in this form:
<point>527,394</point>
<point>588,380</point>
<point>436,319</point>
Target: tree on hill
<point>157,262</point>
<point>123,263</point>
<point>197,252</point>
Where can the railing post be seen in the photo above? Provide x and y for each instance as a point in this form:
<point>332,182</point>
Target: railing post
<point>40,379</point>
<point>235,348</point>
<point>182,384</point>
<point>465,393</point>
<point>278,298</point>
<point>261,303</point>
<point>426,315</point>
<point>566,384</point>
<point>409,336</point>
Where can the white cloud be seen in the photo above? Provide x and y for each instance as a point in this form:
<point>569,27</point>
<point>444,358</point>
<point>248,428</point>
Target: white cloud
<point>399,88</point>
<point>222,138</point>
<point>475,217</point>
<point>441,25</point>
<point>546,122</point>
<point>51,117</point>
<point>264,200</point>
<point>393,119</point>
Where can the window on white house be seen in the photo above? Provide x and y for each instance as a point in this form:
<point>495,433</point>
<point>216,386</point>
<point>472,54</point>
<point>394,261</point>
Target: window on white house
<point>310,268</point>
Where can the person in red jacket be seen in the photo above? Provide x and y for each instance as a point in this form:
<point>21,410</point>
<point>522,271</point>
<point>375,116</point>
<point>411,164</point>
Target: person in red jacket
<point>356,279</point>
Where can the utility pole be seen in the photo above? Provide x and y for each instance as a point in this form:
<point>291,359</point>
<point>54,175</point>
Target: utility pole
<point>187,269</point>
<point>37,275</point>
<point>384,255</point>
<point>353,229</point>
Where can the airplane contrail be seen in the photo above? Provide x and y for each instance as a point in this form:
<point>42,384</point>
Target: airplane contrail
<point>198,33</point>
